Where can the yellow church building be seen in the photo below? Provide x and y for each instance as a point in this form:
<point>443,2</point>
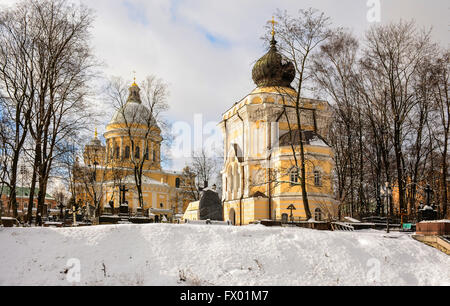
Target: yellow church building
<point>259,177</point>
<point>132,136</point>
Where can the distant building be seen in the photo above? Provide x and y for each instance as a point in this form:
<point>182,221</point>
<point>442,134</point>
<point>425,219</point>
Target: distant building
<point>112,163</point>
<point>22,198</point>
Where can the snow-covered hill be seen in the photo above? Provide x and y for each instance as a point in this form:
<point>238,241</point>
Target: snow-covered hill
<point>215,255</point>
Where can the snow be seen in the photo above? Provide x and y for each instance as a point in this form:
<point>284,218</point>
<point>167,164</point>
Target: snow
<point>437,221</point>
<point>158,254</point>
<point>350,219</point>
<point>318,142</point>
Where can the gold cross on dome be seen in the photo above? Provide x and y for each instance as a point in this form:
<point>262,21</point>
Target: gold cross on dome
<point>273,22</point>
<point>134,78</point>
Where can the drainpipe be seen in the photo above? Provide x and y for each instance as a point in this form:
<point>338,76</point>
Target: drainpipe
<point>269,149</point>
<point>242,179</point>
<point>226,154</point>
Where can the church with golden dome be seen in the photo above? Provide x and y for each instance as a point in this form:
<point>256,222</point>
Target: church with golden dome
<point>132,143</point>
<point>260,177</point>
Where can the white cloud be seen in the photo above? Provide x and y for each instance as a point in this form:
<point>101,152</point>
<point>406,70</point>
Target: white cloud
<point>205,49</point>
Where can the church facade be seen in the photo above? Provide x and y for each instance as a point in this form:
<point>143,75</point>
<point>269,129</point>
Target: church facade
<point>260,175</point>
<point>132,137</point>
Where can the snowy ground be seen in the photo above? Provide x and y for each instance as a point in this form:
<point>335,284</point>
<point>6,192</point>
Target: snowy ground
<point>161,254</point>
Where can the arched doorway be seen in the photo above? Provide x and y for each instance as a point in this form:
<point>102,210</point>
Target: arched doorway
<point>232,216</point>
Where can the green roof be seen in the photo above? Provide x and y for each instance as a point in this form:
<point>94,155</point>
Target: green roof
<point>25,192</point>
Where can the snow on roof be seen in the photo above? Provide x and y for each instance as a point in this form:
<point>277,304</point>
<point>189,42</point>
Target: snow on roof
<point>437,221</point>
<point>145,181</point>
<point>350,219</point>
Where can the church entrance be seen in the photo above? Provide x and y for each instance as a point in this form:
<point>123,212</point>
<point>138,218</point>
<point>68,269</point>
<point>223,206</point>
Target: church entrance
<point>232,216</point>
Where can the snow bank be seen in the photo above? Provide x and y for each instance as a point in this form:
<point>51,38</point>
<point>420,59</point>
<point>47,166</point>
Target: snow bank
<point>163,254</point>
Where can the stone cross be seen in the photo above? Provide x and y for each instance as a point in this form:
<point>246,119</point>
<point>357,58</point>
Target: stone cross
<point>123,191</point>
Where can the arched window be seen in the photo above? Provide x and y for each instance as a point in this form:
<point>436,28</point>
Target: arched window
<point>177,182</point>
<point>127,152</point>
<point>237,183</point>
<point>137,153</point>
<point>317,178</point>
<point>117,153</point>
<point>230,179</point>
<point>318,214</point>
<point>293,176</point>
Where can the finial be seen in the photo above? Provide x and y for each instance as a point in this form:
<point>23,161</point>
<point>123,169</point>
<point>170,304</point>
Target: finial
<point>96,133</point>
<point>273,22</point>
<point>134,77</point>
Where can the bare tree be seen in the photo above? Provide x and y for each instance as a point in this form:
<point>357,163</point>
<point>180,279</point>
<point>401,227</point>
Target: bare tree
<point>62,64</point>
<point>202,169</point>
<point>335,69</point>
<point>395,52</point>
<point>17,80</point>
<point>4,160</point>
<point>440,98</point>
<point>298,39</point>
<point>92,176</point>
<point>189,184</point>
<point>142,120</point>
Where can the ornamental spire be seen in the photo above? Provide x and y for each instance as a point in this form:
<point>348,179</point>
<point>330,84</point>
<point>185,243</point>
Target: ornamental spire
<point>273,22</point>
<point>134,78</point>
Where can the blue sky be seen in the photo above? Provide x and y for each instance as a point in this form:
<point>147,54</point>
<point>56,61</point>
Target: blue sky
<point>205,49</point>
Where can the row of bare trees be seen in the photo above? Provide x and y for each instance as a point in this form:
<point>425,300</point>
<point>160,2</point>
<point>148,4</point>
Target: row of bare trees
<point>389,94</point>
<point>45,64</point>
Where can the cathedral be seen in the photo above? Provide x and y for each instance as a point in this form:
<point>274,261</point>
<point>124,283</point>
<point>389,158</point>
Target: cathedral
<point>260,177</point>
<point>129,143</point>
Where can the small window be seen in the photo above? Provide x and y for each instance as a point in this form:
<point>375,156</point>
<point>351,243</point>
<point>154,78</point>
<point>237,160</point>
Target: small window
<point>137,153</point>
<point>318,214</point>
<point>117,152</point>
<point>294,177</point>
<point>177,182</point>
<point>317,178</point>
<point>161,205</point>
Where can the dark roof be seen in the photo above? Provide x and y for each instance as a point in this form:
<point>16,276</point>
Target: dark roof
<point>273,69</point>
<point>294,137</point>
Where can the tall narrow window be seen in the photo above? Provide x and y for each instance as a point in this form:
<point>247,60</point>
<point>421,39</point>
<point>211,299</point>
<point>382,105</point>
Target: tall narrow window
<point>127,152</point>
<point>146,154</point>
<point>154,156</point>
<point>117,152</point>
<point>294,177</point>
<point>317,178</point>
<point>177,182</point>
<point>137,153</point>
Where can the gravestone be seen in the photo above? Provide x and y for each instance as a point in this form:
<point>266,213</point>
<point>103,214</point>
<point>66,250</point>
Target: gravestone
<point>123,211</point>
<point>210,206</point>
